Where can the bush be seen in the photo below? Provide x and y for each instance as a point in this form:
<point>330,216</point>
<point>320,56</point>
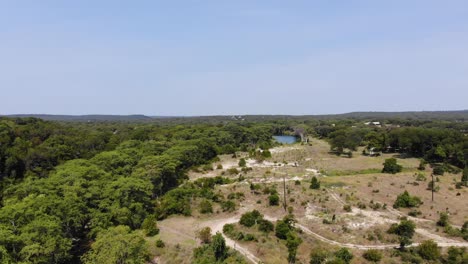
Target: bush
<point>206,207</point>
<point>391,166</point>
<point>265,226</point>
<point>443,220</point>
<point>273,200</point>
<point>249,237</point>
<point>405,230</point>
<point>207,167</point>
<point>318,256</point>
<point>422,165</point>
<point>428,250</point>
<point>228,206</point>
<point>219,167</point>
<point>421,177</point>
<point>250,218</point>
<point>242,162</point>
<point>228,229</point>
<point>438,170</point>
<point>160,243</point>
<point>406,201</point>
<point>347,208</point>
<point>344,254</point>
<point>204,235</point>
<point>314,184</point>
<point>414,213</point>
<point>233,171</point>
<point>282,229</point>
<point>373,255</point>
<point>149,226</point>
<point>464,179</point>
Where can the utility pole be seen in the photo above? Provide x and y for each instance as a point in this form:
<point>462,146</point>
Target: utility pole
<point>284,192</point>
<point>432,189</point>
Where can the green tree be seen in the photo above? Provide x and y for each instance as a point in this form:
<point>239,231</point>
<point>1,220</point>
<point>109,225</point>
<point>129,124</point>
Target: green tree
<point>117,245</point>
<point>391,166</point>
<point>429,250</point>
<point>250,218</point>
<point>265,226</point>
<point>150,226</point>
<point>292,243</point>
<point>464,178</point>
<point>438,170</point>
<point>314,184</point>
<point>373,255</point>
<point>273,200</point>
<point>219,247</point>
<point>344,254</point>
<point>443,219</point>
<point>282,228</point>
<point>318,256</point>
<point>204,235</point>
<point>405,200</point>
<point>405,231</point>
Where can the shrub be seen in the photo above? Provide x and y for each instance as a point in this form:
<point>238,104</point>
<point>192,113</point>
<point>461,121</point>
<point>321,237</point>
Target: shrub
<point>219,167</point>
<point>422,165</point>
<point>282,229</point>
<point>207,167</point>
<point>347,208</point>
<point>249,237</point>
<point>344,254</point>
<point>421,177</point>
<point>204,235</point>
<point>250,218</point>
<point>292,243</point>
<point>314,184</point>
<point>438,170</point>
<point>391,166</point>
<point>405,200</point>
<point>428,250</point>
<point>233,171</point>
<point>265,226</point>
<point>432,186</point>
<point>318,256</point>
<point>228,229</point>
<point>149,226</point>
<point>160,243</point>
<point>405,230</point>
<point>242,162</point>
<point>373,255</point>
<point>206,207</point>
<point>443,219</point>
<point>464,178</point>
<point>228,206</point>
<point>414,213</point>
<point>273,200</point>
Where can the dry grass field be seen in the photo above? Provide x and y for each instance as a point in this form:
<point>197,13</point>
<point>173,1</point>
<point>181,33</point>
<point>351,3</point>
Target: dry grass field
<point>355,181</point>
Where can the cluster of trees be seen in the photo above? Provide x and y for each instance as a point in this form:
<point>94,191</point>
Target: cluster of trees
<point>434,144</point>
<point>215,250</point>
<point>66,186</point>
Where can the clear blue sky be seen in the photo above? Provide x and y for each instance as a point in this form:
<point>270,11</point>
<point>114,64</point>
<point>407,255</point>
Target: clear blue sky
<point>232,57</point>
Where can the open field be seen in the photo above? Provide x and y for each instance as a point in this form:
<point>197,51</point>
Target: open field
<point>355,181</point>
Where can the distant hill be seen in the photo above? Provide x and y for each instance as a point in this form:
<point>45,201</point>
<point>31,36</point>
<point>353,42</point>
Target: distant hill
<point>87,118</point>
<point>443,115</point>
<point>457,115</point>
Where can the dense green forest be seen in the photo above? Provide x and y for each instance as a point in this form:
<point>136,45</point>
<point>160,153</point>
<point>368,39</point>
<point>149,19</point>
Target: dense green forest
<point>68,188</point>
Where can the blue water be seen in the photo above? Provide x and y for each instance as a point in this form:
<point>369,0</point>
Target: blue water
<point>285,139</point>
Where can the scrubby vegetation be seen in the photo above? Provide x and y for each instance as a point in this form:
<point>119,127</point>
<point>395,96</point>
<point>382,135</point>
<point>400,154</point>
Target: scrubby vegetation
<point>81,192</point>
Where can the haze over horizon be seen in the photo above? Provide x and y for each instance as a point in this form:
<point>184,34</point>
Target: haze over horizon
<point>191,58</point>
